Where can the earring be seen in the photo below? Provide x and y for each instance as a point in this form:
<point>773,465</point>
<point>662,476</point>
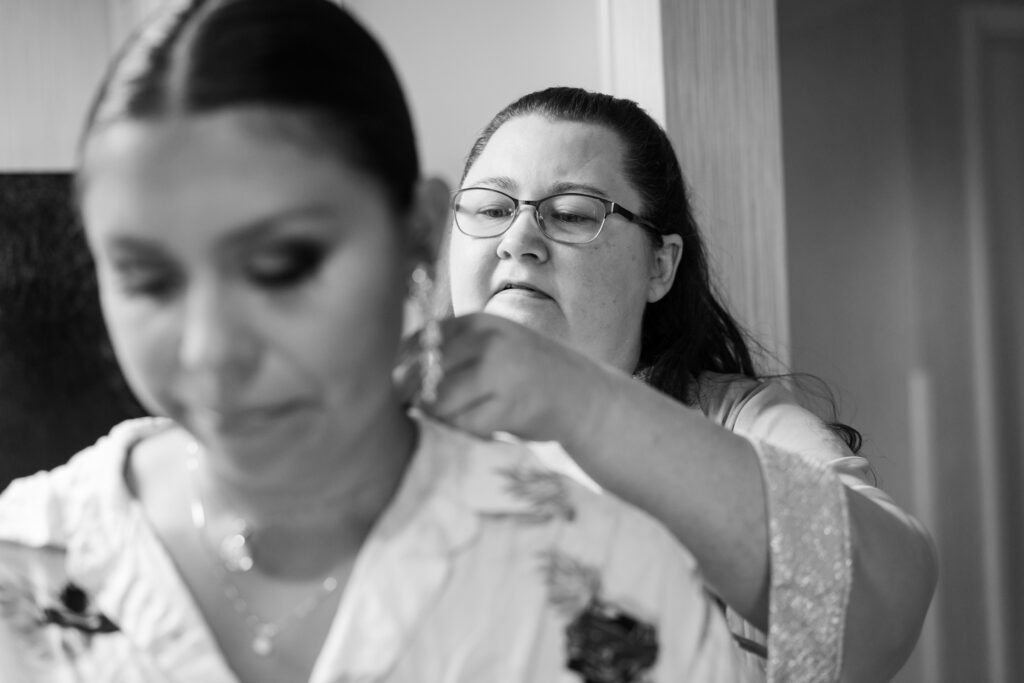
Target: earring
<point>430,336</point>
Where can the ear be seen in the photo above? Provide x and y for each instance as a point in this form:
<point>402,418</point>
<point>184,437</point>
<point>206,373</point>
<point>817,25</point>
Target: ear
<point>428,220</point>
<point>664,266</point>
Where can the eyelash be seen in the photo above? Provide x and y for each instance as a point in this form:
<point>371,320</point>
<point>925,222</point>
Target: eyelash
<point>146,280</point>
<point>291,264</point>
<point>275,268</point>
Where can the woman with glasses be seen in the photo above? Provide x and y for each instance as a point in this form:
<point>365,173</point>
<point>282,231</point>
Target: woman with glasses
<point>573,220</point>
<point>249,187</point>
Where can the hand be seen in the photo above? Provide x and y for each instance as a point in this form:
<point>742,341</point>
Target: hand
<point>502,377</point>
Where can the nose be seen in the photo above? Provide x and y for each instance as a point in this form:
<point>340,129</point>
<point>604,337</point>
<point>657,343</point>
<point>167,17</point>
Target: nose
<point>524,239</point>
<point>217,347</point>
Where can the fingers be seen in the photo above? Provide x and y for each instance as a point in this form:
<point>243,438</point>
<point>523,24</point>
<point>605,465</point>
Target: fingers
<point>479,418</point>
<point>460,350</point>
<point>476,392</point>
<point>456,408</point>
<point>463,404</point>
<point>477,337</point>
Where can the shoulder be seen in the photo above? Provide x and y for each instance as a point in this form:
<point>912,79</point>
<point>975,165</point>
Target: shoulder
<point>728,399</point>
<point>768,411</point>
<point>48,522</point>
<point>512,478</point>
<point>41,510</point>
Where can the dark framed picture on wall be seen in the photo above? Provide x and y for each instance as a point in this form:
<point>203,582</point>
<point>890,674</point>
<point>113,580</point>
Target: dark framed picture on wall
<point>60,388</point>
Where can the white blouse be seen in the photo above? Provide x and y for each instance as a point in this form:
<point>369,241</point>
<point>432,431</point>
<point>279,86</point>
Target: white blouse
<point>487,566</point>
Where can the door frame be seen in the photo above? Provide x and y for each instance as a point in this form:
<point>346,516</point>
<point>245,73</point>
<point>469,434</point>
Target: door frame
<point>978,24</point>
<point>708,71</point>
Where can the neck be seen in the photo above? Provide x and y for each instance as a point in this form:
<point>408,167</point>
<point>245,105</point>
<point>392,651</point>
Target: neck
<point>624,357</point>
<point>310,506</point>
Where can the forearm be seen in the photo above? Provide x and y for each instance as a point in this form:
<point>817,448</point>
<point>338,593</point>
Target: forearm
<point>700,480</point>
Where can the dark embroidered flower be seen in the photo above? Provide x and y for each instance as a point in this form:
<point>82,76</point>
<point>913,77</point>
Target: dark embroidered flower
<point>606,645</point>
<point>73,612</point>
<point>31,614</point>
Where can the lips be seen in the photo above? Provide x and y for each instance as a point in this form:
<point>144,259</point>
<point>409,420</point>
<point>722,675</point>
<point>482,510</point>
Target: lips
<point>244,418</point>
<point>521,287</point>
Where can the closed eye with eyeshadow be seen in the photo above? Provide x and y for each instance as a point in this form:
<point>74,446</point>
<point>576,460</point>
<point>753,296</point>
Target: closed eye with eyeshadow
<point>284,264</point>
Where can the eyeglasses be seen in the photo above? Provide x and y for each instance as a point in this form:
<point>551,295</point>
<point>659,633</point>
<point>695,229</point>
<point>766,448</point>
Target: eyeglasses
<point>569,218</point>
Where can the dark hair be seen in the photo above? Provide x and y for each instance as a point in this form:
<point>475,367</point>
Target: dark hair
<point>307,56</point>
<point>688,331</point>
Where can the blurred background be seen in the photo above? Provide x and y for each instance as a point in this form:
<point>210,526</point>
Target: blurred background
<point>858,166</point>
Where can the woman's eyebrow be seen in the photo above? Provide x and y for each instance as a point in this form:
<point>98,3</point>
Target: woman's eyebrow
<point>261,228</point>
<point>501,182</point>
<point>130,245</point>
<point>570,186</point>
<point>507,184</point>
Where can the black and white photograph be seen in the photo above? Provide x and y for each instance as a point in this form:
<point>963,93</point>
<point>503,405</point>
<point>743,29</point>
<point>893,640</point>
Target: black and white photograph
<point>449,341</point>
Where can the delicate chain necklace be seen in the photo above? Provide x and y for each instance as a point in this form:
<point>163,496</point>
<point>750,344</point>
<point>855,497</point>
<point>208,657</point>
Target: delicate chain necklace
<point>235,554</point>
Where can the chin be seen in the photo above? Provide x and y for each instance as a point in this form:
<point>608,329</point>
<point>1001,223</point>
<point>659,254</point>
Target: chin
<point>543,323</point>
<point>257,435</point>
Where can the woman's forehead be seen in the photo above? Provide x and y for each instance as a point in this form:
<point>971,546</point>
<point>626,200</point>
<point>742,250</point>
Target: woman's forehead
<point>207,173</point>
<point>234,131</point>
<point>535,153</point>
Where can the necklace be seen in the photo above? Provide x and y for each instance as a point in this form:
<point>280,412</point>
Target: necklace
<point>235,550</point>
<point>235,554</point>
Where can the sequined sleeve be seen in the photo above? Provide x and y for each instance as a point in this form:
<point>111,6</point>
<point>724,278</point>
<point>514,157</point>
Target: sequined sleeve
<point>806,471</point>
<point>811,566</point>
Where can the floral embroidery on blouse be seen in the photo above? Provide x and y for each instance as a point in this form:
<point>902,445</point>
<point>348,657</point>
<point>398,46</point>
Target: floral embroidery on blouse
<point>18,608</point>
<point>545,491</point>
<point>69,610</point>
<point>604,643</point>
<point>74,612</point>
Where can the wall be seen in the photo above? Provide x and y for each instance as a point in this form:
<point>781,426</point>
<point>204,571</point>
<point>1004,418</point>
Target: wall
<point>1000,180</point>
<point>881,286</point>
<point>460,60</point>
<point>463,60</point>
<point>935,56</point>
<point>848,208</point>
<point>47,75</point>
<point>847,172</point>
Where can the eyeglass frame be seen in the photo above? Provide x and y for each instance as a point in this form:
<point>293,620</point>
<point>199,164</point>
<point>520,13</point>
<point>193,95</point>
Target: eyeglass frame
<point>610,208</point>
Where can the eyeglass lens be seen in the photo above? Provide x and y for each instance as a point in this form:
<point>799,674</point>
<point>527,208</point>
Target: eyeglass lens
<point>566,217</point>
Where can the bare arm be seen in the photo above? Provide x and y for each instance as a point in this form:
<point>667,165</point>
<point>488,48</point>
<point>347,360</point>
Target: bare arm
<point>700,480</point>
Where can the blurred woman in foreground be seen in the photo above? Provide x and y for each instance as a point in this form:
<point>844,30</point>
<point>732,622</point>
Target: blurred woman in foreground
<point>250,191</point>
